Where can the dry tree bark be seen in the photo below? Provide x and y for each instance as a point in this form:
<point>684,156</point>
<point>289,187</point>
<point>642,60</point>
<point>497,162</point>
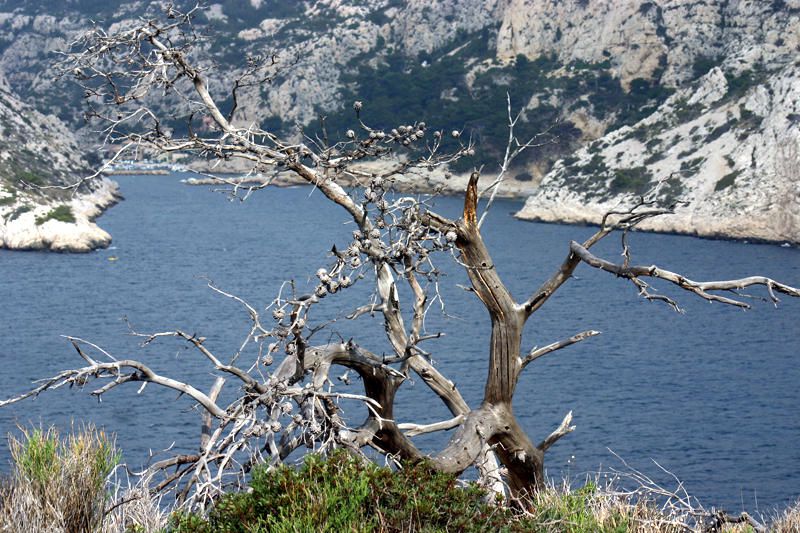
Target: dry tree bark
<point>283,407</point>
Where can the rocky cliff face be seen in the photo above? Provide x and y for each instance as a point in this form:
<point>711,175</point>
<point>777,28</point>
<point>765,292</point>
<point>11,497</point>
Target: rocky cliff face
<point>37,152</point>
<point>317,41</point>
<point>730,158</point>
<point>725,145</point>
<point>668,39</point>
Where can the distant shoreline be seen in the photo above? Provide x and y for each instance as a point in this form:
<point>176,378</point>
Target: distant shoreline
<point>453,187</point>
<point>135,172</point>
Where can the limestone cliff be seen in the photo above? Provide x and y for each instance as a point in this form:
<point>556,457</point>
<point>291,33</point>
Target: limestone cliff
<point>726,146</point>
<point>670,39</point>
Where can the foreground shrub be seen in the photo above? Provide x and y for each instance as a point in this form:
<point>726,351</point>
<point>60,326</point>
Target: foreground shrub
<point>57,484</point>
<point>343,493</point>
<point>61,486</point>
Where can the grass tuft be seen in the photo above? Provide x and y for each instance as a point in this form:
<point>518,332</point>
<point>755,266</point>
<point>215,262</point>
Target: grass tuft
<point>57,484</point>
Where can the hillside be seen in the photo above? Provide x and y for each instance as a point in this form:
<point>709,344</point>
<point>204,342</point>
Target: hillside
<point>36,152</point>
<point>662,83</point>
<point>726,145</point>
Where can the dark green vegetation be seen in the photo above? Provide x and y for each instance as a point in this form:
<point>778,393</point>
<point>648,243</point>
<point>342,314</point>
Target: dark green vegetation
<point>691,166</point>
<point>61,484</point>
<point>671,190</point>
<point>686,112</point>
<point>37,154</point>
<point>9,200</point>
<point>435,87</point>
<point>15,214</point>
<point>727,180</point>
<point>62,213</point>
<point>739,84</point>
<point>344,493</point>
<point>702,64</point>
<point>25,168</point>
<point>635,180</point>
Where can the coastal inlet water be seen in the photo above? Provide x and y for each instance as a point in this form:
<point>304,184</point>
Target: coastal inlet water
<point>711,395</point>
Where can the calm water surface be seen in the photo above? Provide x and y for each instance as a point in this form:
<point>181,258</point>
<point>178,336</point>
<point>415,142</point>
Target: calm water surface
<point>712,394</point>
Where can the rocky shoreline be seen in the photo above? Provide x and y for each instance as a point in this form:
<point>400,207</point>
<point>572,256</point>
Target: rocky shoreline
<point>755,227</point>
<point>437,181</point>
<point>26,227</point>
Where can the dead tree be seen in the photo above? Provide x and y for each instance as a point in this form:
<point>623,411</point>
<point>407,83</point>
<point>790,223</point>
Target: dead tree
<point>282,406</point>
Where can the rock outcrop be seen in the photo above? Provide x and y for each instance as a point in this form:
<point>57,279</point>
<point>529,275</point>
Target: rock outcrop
<point>38,156</point>
<point>666,39</point>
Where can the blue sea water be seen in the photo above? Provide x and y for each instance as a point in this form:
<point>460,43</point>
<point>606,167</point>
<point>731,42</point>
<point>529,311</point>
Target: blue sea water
<point>711,395</point>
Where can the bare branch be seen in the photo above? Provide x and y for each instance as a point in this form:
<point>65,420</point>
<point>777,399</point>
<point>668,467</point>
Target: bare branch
<point>536,353</point>
<point>412,430</point>
<point>699,288</point>
<point>114,371</point>
<point>617,218</point>
<point>513,149</point>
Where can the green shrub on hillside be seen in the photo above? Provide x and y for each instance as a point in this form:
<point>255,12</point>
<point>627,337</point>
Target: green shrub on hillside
<point>62,213</point>
<point>636,179</point>
<point>727,180</point>
<point>401,89</point>
<point>30,177</point>
<point>15,214</point>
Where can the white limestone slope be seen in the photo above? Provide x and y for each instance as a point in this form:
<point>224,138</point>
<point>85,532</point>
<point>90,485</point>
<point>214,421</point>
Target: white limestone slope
<point>733,158</point>
<point>26,232</point>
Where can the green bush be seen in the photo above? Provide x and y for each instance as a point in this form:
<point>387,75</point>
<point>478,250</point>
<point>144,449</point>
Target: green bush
<point>8,200</point>
<point>654,158</point>
<point>636,179</point>
<point>692,165</point>
<point>30,177</point>
<point>62,213</point>
<point>343,493</point>
<point>719,131</point>
<point>15,214</point>
<point>727,180</point>
<point>702,64</point>
<point>596,165</point>
<point>739,84</point>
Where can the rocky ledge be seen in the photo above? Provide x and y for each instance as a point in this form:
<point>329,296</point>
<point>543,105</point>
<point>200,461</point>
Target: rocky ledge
<point>61,226</point>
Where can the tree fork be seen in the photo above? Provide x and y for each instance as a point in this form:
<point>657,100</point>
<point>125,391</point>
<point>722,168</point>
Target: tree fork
<point>523,460</point>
